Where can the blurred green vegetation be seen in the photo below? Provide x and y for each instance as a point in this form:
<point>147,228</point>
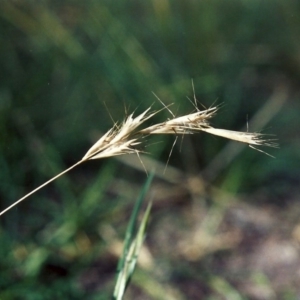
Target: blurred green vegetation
<point>69,69</point>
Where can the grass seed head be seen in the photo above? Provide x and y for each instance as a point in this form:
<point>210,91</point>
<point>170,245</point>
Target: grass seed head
<point>123,139</point>
<point>250,138</point>
<point>119,139</point>
<point>186,124</point>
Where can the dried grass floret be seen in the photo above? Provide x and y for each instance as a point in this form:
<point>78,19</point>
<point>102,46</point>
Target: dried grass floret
<point>186,124</point>
<point>119,140</point>
<point>199,121</point>
<point>251,138</point>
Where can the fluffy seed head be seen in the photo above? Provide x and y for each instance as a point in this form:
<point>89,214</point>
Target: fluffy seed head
<point>186,124</point>
<point>251,138</point>
<point>119,139</point>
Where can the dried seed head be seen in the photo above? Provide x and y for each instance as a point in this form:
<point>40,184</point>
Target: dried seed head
<point>183,125</point>
<point>199,121</point>
<point>119,139</point>
<point>251,138</point>
<point>123,139</point>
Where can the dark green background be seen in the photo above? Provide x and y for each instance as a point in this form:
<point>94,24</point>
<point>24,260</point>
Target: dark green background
<point>60,61</point>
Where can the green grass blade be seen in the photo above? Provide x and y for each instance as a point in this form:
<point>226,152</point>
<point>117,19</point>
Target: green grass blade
<point>133,243</point>
<point>130,231</point>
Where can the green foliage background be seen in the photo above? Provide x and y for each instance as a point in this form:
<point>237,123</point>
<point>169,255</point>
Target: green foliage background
<point>60,61</point>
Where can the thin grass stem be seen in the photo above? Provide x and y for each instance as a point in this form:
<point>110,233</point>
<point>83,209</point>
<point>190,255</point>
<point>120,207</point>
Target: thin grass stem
<point>41,186</point>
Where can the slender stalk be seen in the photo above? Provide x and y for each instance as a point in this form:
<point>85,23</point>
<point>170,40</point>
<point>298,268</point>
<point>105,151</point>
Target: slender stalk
<point>41,186</point>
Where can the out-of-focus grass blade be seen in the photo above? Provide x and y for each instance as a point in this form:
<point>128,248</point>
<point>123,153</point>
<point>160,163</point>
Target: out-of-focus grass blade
<point>133,242</point>
<point>225,289</point>
<point>130,231</point>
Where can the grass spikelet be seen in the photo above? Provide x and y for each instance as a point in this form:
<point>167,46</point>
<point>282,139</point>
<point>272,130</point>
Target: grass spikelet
<point>119,140</point>
<point>199,121</point>
<point>186,124</point>
<point>251,138</point>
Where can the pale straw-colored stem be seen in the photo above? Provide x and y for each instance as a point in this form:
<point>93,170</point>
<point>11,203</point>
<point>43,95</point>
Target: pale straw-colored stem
<point>41,186</point>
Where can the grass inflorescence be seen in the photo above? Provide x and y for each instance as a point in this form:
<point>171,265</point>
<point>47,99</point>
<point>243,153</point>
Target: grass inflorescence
<point>127,137</point>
